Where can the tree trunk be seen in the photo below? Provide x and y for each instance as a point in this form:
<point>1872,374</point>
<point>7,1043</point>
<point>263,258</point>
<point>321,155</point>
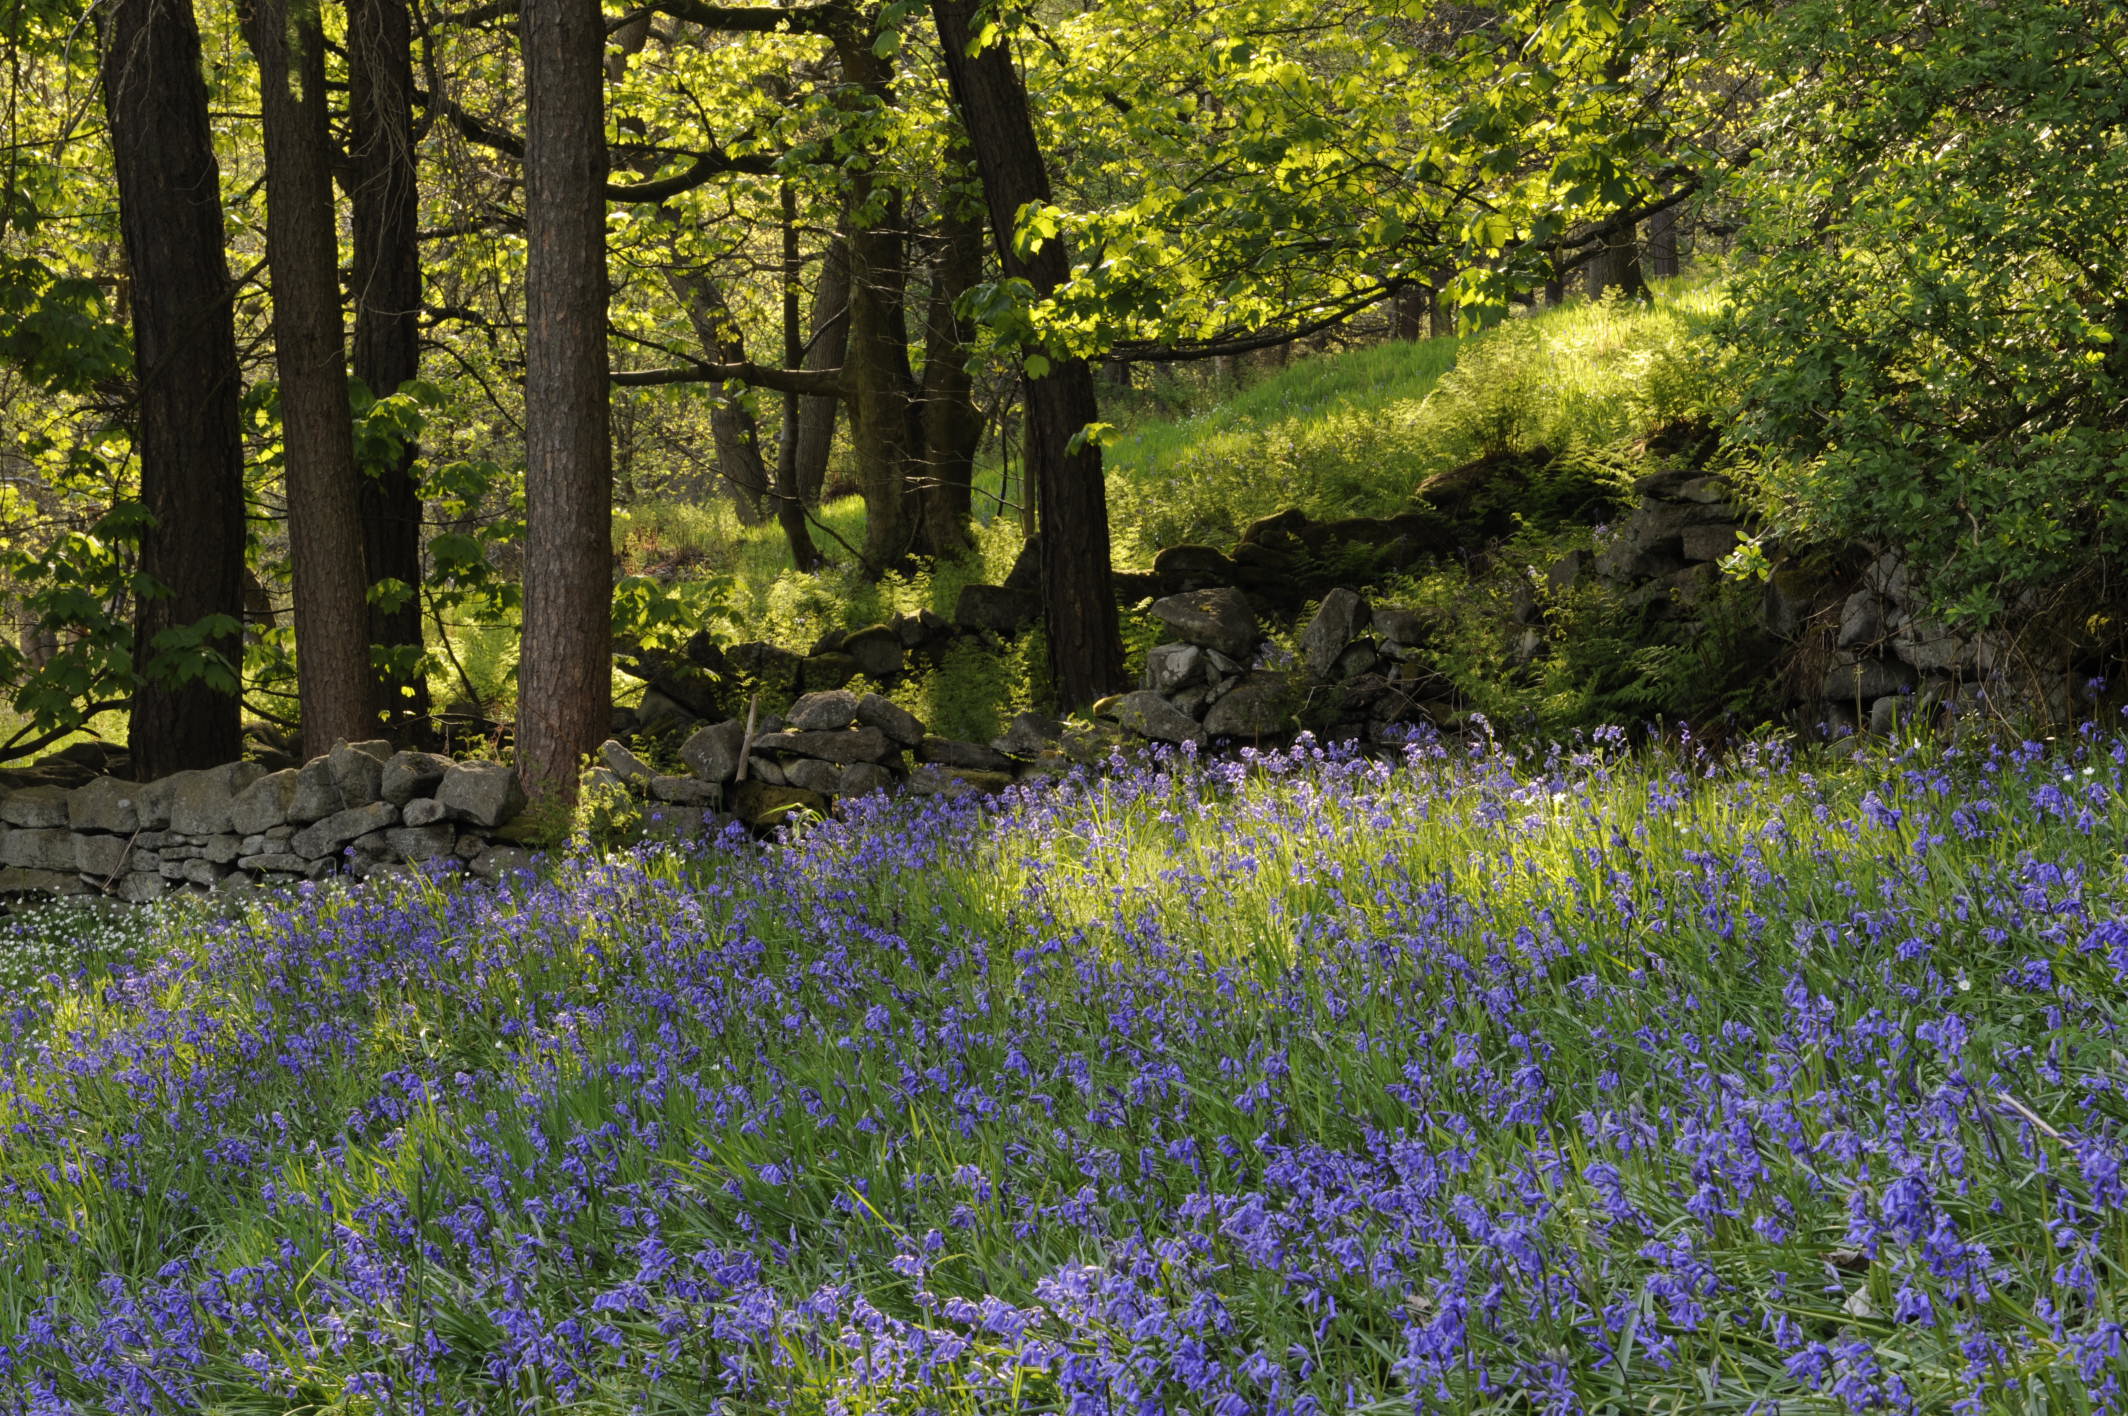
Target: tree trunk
<point>187,433</point>
<point>387,346</point>
<point>565,674</point>
<point>310,354</point>
<point>1440,314</point>
<point>882,393</point>
<point>952,427</point>
<point>1616,266</point>
<point>1408,309</point>
<point>1662,243</point>
<point>824,350</point>
<point>1079,604</point>
<point>731,423</point>
<point>790,505</point>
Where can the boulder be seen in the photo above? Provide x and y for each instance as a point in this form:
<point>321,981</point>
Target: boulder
<point>38,848</point>
<point>483,793</point>
<point>140,887</point>
<point>877,650</point>
<point>659,713</point>
<point>864,778</point>
<point>1399,626</point>
<point>105,804</point>
<point>849,745</point>
<point>626,767</point>
<point>814,776</point>
<point>996,608</point>
<point>1861,620</point>
<point>22,880</point>
<point>424,811</point>
<point>897,722</point>
<point>316,796</point>
<point>1337,622</point>
<point>761,805</point>
<point>411,774</point>
<point>685,791</point>
<point>1029,735</point>
<point>200,801</point>
<point>358,770</point>
<point>223,848</point>
<point>1216,619</point>
<point>936,779</point>
<point>1359,658</point>
<point>501,862</point>
<point>970,756</point>
<point>1866,679</point>
<point>328,837</point>
<point>1149,715</point>
<point>712,753</point>
<point>1194,567</point>
<point>1260,705</point>
<point>1709,543</point>
<point>1170,668</point>
<point>265,803</point>
<point>1793,595</point>
<point>824,712</point>
<point>418,843</point>
<point>36,807</point>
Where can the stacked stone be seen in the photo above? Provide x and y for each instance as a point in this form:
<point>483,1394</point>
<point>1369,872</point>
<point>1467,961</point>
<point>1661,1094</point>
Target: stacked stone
<point>363,808</point>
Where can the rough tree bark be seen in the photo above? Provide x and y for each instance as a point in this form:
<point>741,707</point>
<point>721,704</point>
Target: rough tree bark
<point>1616,266</point>
<point>310,355</point>
<point>790,505</point>
<point>733,427</point>
<point>387,347</point>
<point>952,427</point>
<point>1662,243</point>
<point>565,671</point>
<point>186,431</point>
<point>824,349</point>
<point>1079,605</point>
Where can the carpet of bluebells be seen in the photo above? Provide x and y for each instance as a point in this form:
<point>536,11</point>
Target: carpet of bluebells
<point>1576,1081</point>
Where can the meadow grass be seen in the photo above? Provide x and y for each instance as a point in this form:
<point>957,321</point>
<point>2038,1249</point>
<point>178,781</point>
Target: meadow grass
<point>1468,1081</point>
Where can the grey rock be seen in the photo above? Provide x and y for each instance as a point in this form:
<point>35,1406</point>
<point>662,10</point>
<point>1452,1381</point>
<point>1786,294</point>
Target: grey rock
<point>423,811</point>
<point>100,856</point>
<point>1708,543</point>
<point>469,846</point>
<point>877,650</point>
<point>327,837</point>
<point>1147,714</point>
<point>864,778</point>
<point>411,774</point>
<point>38,848</point>
<point>417,843</point>
<point>764,769</point>
<point>936,779</point>
<point>1029,735</point>
<point>771,666</point>
<point>1336,623</point>
<point>1359,658</point>
<point>1931,647</point>
<point>827,672</point>
<point>105,804</point>
<point>1888,576</point>
<point>853,745</point>
<point>1399,626</point>
<point>501,862</point>
<point>1217,619</point>
<point>1191,701</point>
<point>358,771</point>
<point>1793,595</point>
<point>24,880</point>
<point>200,801</point>
<point>1861,620</point>
<point>685,791</point>
<point>762,805</point>
<point>152,806</point>
<point>204,872</point>
<point>814,776</point>
<point>616,758</point>
<point>659,713</point>
<point>140,887</point>
<point>37,807</point>
<point>1709,489</point>
<point>317,796</point>
<point>602,781</point>
<point>712,753</point>
<point>254,844</point>
<point>1170,668</point>
<point>1259,706</point>
<point>996,608</point>
<point>1565,573</point>
<point>1866,679</point>
<point>222,849</point>
<point>897,722</point>
<point>484,793</point>
<point>266,803</point>
<point>824,712</point>
<point>971,756</point>
<point>277,862</point>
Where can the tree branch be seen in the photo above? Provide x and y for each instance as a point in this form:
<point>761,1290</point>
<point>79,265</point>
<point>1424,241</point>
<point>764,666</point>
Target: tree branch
<point>821,382</point>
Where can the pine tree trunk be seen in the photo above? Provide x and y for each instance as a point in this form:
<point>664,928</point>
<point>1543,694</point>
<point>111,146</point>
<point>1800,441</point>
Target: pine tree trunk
<point>1079,606</point>
<point>310,355</point>
<point>387,345</point>
<point>187,433</point>
<point>565,672</point>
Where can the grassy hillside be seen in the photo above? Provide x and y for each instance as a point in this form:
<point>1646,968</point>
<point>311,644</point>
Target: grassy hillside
<point>1477,1084</point>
